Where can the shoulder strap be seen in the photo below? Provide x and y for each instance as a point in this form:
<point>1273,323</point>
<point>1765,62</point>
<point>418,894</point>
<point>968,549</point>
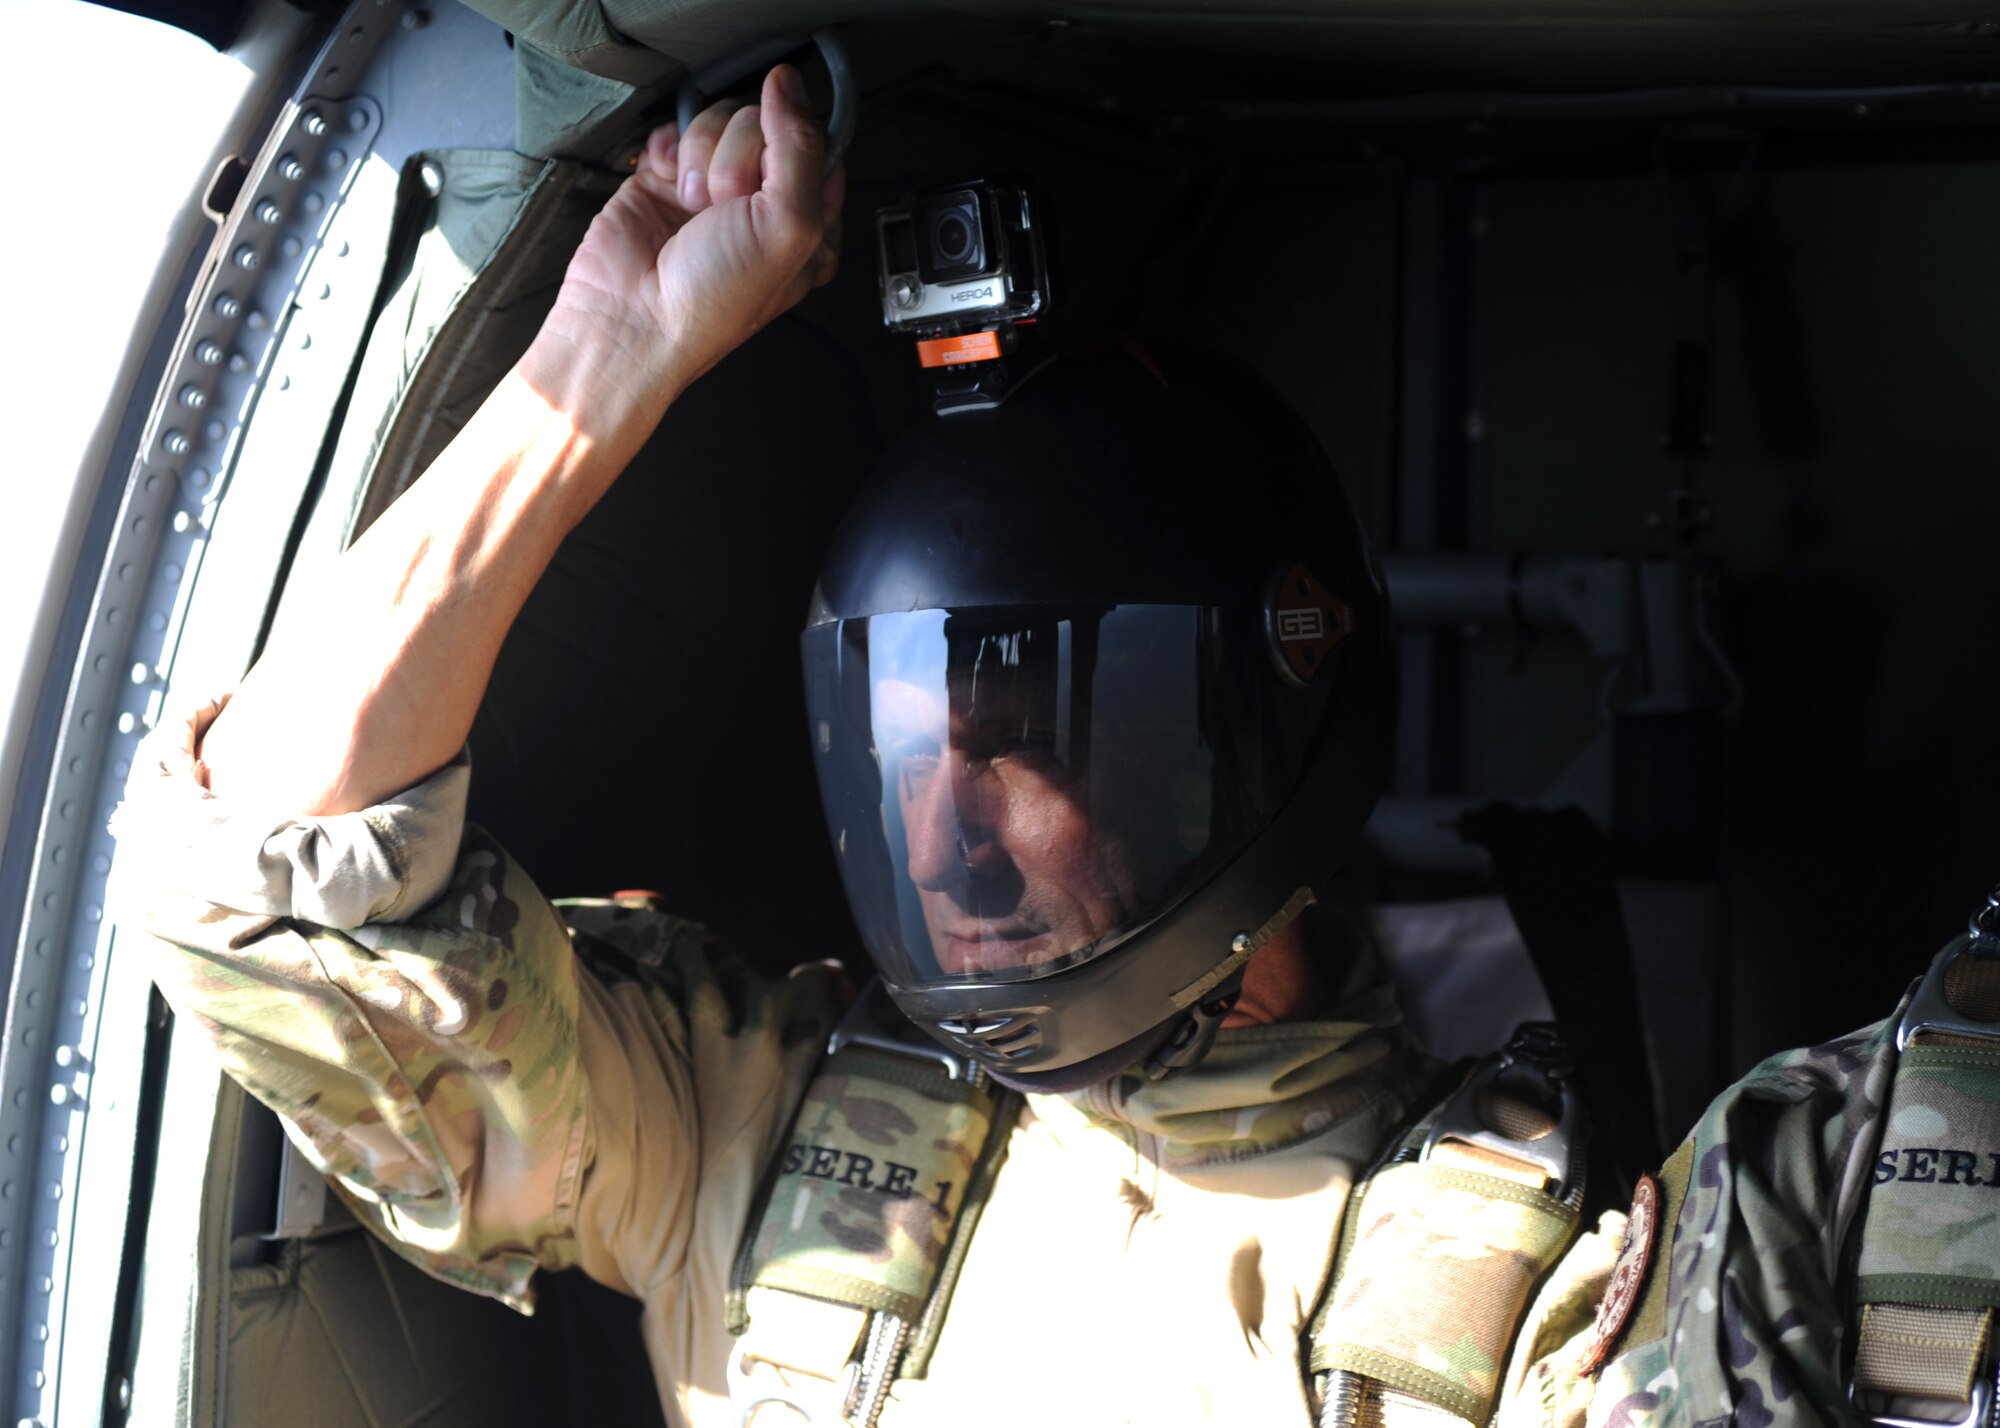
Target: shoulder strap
<point>1928,1274</point>
<point>1443,1245</point>
<point>1558,878</point>
<point>850,1260</point>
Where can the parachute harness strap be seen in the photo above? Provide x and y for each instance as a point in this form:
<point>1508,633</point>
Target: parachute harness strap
<point>1924,1343</point>
<point>848,1265</point>
<point>1443,1246</point>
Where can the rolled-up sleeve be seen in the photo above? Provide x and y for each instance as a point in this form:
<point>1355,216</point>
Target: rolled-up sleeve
<point>392,985</point>
<point>379,864</point>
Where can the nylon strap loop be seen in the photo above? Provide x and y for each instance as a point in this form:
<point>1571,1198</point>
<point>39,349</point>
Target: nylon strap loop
<point>1931,1229</point>
<point>797,1335</point>
<point>1434,1286</point>
<point>870,1184</point>
<point>1485,1161</point>
<point>1929,1235</point>
<point>839,1285</point>
<point>1920,1350</point>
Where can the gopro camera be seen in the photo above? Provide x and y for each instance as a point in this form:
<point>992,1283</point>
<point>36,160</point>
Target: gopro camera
<point>959,257</point>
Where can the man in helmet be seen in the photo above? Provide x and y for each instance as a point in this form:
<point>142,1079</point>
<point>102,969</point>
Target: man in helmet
<point>1089,732</point>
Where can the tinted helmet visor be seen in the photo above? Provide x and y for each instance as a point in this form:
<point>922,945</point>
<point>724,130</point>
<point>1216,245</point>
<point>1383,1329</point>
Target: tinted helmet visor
<point>1013,792</point>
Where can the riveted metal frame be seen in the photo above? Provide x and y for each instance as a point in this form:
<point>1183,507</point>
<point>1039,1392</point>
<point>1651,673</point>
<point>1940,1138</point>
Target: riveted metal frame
<point>73,1059</point>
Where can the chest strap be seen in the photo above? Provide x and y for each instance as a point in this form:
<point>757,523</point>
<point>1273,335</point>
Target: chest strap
<point>1443,1246</point>
<point>1928,1276</point>
<point>849,1264</point>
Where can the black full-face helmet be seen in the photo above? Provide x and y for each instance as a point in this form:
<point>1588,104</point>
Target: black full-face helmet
<point>1099,682</point>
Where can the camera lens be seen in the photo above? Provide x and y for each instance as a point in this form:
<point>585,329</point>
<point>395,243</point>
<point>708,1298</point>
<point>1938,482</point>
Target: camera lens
<point>954,245</point>
<point>954,239</point>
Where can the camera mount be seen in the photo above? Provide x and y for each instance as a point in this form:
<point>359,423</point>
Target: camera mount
<point>963,269</point>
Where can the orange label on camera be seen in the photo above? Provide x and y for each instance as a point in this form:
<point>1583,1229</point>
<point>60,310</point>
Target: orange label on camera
<point>950,351</point>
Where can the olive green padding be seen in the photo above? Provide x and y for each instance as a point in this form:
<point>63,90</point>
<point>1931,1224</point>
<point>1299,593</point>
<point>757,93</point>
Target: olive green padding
<point>1931,1230</point>
<point>588,75</point>
<point>870,1184</point>
<point>561,111</point>
<point>643,41</point>
<point>1441,1270</point>
<point>483,258</point>
<point>339,1330</point>
<point>582,36</point>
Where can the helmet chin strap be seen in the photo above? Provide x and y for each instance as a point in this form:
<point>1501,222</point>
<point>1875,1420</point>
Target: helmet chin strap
<point>1176,1045</point>
<point>1195,1032</point>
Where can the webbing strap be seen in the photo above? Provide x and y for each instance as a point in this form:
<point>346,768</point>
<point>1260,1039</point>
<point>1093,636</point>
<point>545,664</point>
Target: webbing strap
<point>801,1335</point>
<point>805,1360</point>
<point>1442,1248</point>
<point>1972,987</point>
<point>1920,1350</point>
<point>848,1263</point>
<point>1558,877</point>
<point>1478,1158</point>
<point>1439,1276</point>
<point>871,1184</point>
<point>1924,1277</point>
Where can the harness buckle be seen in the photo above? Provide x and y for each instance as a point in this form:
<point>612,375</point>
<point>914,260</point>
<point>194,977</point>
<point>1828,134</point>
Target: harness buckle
<point>1977,1413</point>
<point>861,1025</point>
<point>1538,1057</point>
<point>820,1402</point>
<point>1930,1008</point>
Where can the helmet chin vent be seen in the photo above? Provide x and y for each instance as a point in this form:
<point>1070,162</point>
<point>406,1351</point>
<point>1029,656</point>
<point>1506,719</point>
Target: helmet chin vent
<point>1018,1042</point>
<point>1009,1036</point>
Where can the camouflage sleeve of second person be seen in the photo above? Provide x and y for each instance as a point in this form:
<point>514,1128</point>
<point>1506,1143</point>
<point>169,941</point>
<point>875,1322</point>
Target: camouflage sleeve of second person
<point>1749,1324</point>
<point>389,983</point>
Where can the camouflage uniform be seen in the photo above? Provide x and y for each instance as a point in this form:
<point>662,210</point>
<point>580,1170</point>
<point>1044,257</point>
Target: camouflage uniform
<point>395,987</point>
<point>1765,1199</point>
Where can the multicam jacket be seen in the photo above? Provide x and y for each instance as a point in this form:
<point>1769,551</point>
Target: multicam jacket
<point>1766,1199</point>
<point>396,988</point>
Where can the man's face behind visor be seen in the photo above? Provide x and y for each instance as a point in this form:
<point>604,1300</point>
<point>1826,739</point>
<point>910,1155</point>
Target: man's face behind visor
<point>1008,867</point>
<point>1014,792</point>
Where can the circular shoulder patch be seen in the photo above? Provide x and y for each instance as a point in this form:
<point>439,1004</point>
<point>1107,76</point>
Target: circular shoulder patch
<point>1628,1276</point>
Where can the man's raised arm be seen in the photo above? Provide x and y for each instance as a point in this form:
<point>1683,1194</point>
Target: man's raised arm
<point>374,685</point>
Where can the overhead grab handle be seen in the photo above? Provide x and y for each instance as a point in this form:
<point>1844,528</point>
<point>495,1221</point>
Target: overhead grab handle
<point>713,80</point>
